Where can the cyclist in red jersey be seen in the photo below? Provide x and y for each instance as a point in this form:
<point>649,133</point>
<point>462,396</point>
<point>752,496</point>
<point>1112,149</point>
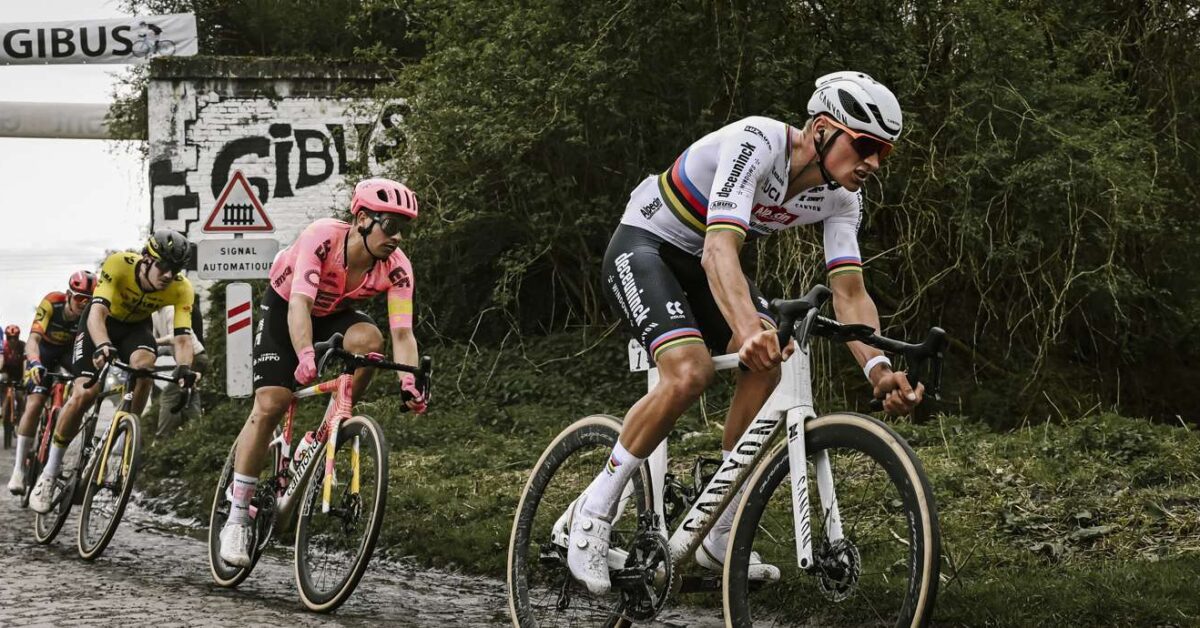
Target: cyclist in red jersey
<point>48,348</point>
<point>12,357</point>
<point>315,283</point>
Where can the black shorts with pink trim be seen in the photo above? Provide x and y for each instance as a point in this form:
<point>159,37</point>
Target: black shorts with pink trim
<point>663,293</point>
<point>275,359</point>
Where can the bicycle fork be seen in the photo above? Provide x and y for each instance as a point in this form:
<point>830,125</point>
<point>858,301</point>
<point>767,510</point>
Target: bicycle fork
<point>798,465</point>
<point>329,481</point>
<point>106,451</point>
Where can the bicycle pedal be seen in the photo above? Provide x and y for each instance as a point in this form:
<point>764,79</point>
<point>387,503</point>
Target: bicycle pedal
<point>700,584</point>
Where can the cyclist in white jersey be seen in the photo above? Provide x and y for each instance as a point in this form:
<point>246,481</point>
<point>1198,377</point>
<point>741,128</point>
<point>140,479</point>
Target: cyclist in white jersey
<point>672,270</point>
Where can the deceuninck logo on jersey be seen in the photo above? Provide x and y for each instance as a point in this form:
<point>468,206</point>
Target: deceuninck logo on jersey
<point>238,209</point>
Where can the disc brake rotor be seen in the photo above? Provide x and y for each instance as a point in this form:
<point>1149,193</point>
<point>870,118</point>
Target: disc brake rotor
<point>839,566</point>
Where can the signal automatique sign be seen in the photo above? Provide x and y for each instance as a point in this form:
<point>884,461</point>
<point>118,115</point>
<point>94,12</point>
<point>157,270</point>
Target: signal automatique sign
<point>241,258</point>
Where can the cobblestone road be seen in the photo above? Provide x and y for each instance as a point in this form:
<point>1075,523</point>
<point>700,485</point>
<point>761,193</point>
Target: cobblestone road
<point>155,572</point>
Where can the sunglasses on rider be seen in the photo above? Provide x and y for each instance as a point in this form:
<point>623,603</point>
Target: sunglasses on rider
<point>79,299</point>
<point>864,144</point>
<point>391,224</point>
<point>166,268</point>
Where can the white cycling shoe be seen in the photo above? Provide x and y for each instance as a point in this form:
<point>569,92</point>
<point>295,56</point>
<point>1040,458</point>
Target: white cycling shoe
<point>587,550</point>
<point>16,484</point>
<point>712,558</point>
<point>41,500</point>
<point>237,541</point>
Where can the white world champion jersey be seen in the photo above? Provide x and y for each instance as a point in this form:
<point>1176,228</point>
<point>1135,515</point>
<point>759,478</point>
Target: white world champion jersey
<point>735,178</point>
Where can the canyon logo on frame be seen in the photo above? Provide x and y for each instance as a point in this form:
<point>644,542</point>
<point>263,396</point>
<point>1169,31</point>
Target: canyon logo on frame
<point>120,40</point>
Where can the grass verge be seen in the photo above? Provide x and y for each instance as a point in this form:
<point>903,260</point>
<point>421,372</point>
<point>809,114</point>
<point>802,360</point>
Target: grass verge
<point>1088,521</point>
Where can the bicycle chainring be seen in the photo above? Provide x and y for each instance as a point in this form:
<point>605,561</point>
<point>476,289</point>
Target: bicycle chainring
<point>651,557</point>
<point>839,566</point>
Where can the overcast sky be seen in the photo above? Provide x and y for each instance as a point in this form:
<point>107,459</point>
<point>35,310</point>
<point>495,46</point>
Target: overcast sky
<point>62,202</point>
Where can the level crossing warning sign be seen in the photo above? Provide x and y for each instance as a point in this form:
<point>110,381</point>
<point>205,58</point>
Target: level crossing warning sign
<point>238,209</point>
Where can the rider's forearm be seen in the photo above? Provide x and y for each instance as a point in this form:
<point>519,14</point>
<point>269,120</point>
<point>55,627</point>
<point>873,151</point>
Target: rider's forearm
<point>182,344</point>
<point>853,305</point>
<point>300,322</point>
<point>33,347</point>
<point>728,283</point>
<point>97,329</point>
<point>404,346</point>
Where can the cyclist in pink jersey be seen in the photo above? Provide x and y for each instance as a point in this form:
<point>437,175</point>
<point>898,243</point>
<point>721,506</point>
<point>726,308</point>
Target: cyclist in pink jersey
<point>314,286</point>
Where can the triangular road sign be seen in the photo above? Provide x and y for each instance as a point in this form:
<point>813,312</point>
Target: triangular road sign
<point>238,209</point>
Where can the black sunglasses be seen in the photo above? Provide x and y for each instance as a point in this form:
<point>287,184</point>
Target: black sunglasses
<point>164,267</point>
<point>391,224</point>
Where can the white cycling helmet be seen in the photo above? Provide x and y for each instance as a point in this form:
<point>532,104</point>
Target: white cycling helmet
<point>859,102</point>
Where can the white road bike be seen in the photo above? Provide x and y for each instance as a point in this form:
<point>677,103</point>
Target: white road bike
<point>868,556</point>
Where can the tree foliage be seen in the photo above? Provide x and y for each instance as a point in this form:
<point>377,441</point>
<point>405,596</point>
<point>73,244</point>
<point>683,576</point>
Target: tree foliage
<point>1040,205</point>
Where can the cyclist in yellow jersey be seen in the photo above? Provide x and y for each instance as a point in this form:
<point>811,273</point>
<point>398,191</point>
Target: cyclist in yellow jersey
<point>117,325</point>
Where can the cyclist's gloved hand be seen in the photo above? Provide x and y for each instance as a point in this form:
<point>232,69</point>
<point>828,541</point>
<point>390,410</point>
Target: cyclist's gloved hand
<point>104,354</point>
<point>34,372</point>
<point>306,371</point>
<point>898,395</point>
<point>416,398</point>
<point>761,352</point>
<point>184,376</point>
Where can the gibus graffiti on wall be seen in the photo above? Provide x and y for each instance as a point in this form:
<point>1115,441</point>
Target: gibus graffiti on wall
<point>295,155</point>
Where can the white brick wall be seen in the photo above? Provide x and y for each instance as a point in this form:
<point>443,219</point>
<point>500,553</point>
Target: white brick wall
<point>199,138</point>
<point>281,132</point>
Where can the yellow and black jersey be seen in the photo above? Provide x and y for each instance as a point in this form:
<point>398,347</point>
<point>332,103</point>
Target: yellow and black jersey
<point>127,302</point>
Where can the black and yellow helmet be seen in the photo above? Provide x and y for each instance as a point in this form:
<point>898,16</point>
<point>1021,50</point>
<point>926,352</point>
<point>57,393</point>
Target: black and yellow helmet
<point>170,247</point>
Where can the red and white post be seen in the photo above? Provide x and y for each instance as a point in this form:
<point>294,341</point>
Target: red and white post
<point>239,335</point>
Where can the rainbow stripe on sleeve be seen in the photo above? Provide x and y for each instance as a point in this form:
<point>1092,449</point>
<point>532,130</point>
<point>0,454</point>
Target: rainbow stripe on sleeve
<point>728,223</point>
<point>842,265</point>
<point>686,201</point>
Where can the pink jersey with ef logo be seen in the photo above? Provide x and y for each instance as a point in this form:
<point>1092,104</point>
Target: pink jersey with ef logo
<point>315,266</point>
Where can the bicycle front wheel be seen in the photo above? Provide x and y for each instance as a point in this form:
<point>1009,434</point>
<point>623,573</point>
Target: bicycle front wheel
<point>882,570</point>
<point>10,419</point>
<point>109,485</point>
<point>334,547</point>
<point>33,458</point>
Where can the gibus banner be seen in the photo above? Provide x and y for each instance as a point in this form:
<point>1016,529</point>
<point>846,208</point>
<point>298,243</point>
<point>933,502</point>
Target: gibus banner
<point>119,40</point>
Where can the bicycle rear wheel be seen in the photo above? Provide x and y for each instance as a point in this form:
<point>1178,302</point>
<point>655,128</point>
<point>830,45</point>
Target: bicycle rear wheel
<point>47,526</point>
<point>263,502</point>
<point>109,485</point>
<point>884,569</point>
<point>333,548</point>
<point>541,590</point>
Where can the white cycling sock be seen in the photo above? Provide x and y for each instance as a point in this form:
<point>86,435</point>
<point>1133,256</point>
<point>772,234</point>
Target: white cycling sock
<point>243,491</point>
<point>23,443</point>
<point>54,460</point>
<point>605,490</point>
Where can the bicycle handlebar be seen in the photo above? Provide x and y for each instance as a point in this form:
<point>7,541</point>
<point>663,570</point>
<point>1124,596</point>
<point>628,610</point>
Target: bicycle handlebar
<point>150,373</point>
<point>800,319</point>
<point>332,348</point>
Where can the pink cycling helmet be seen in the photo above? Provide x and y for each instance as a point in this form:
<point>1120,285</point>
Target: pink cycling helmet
<point>384,195</point>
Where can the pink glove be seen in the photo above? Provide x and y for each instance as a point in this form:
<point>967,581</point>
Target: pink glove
<point>408,383</point>
<point>306,371</point>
